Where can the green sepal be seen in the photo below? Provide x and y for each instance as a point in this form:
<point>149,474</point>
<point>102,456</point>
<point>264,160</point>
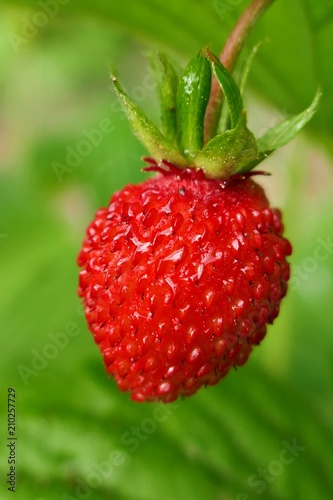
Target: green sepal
<point>226,154</point>
<point>229,88</point>
<point>192,99</point>
<point>284,132</point>
<point>236,151</point>
<point>167,91</point>
<point>158,146</point>
<point>247,65</point>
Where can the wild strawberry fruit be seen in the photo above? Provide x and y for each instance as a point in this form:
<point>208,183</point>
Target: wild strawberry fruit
<point>182,273</point>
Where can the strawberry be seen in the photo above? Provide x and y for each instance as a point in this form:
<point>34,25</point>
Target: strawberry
<point>180,278</point>
<point>182,273</point>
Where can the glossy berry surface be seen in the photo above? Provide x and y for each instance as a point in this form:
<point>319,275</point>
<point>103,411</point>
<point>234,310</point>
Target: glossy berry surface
<point>180,277</point>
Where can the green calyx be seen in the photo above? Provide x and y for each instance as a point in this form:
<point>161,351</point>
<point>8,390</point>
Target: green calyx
<point>183,106</point>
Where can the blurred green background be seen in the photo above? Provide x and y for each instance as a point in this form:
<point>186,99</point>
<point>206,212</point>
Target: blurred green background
<point>263,432</point>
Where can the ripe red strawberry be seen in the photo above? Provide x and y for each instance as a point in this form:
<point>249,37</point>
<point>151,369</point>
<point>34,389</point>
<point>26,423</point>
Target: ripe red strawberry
<point>180,278</point>
<point>183,272</point>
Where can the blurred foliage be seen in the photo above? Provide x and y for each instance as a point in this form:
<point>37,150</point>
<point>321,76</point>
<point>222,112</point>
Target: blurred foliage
<point>72,421</point>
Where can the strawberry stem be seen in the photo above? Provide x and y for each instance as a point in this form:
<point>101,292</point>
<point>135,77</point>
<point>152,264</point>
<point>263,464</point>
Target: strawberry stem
<point>229,58</point>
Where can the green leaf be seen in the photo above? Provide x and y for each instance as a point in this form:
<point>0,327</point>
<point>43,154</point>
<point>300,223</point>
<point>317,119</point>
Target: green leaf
<point>226,154</point>
<point>229,88</point>
<point>192,99</point>
<point>158,146</point>
<point>247,66</point>
<point>168,98</point>
<point>224,118</point>
<point>285,131</point>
